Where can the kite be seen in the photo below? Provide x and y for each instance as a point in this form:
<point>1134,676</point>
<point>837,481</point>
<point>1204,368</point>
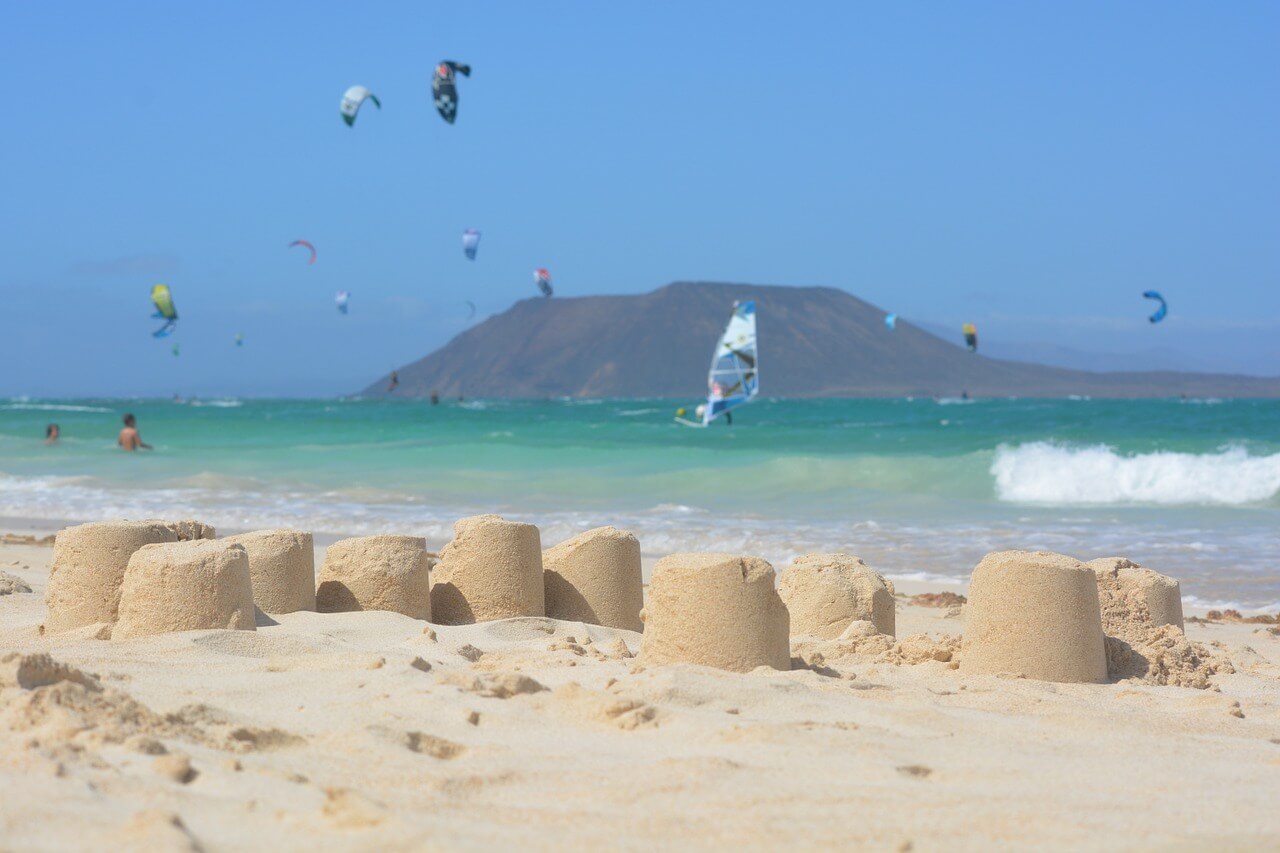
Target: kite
<point>163,301</point>
<point>340,299</point>
<point>542,278</point>
<point>239,339</point>
<point>351,101</point>
<point>445,90</point>
<point>1162,310</point>
<point>891,321</point>
<point>470,242</point>
<point>971,337</point>
<point>472,306</point>
<point>309,248</point>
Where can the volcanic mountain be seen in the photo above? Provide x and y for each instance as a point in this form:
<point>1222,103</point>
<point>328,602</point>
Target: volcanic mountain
<point>814,342</point>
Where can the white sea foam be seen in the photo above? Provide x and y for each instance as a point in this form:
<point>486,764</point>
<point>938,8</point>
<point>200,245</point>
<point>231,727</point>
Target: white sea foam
<point>52,407</point>
<point>217,404</point>
<point>1042,472</point>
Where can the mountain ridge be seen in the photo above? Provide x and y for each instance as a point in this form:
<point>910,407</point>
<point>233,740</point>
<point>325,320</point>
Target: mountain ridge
<point>814,342</point>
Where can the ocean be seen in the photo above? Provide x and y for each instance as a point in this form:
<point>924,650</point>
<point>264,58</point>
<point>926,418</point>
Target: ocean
<point>919,488</point>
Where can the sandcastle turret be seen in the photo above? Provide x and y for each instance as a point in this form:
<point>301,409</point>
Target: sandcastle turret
<point>718,610</point>
<point>185,586</point>
<point>595,578</point>
<point>826,593</point>
<point>376,573</point>
<point>1034,614</point>
<point>492,569</point>
<point>89,562</point>
<point>282,564</point>
<point>1132,596</point>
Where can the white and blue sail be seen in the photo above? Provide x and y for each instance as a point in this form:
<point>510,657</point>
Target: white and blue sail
<point>734,378</point>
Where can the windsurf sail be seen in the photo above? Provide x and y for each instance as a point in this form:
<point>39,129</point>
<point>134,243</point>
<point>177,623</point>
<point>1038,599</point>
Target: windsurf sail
<point>735,366</point>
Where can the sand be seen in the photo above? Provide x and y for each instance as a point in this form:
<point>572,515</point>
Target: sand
<point>374,730</point>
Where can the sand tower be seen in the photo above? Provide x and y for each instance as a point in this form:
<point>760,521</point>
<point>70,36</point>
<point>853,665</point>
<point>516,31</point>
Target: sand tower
<point>1134,597</point>
<point>188,529</point>
<point>718,610</point>
<point>825,593</point>
<point>595,578</point>
<point>185,586</point>
<point>89,563</point>
<point>1035,614</point>
<point>492,569</point>
<point>376,573</point>
<point>282,564</point>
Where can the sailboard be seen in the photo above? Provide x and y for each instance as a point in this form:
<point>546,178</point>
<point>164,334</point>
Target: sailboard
<point>734,378</point>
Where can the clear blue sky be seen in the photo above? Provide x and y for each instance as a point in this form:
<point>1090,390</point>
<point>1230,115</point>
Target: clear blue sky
<point>1031,167</point>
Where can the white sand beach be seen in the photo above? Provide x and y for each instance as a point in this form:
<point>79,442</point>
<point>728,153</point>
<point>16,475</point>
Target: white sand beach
<point>375,730</point>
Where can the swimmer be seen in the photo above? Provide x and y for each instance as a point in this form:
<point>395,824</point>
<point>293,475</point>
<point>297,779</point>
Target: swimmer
<point>129,438</point>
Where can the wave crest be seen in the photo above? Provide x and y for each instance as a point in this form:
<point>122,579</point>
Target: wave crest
<point>1043,472</point>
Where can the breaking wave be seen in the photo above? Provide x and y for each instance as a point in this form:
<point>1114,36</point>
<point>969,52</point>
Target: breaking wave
<point>1043,472</point>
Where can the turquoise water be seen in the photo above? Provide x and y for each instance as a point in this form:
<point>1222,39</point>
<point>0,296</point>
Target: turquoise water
<point>920,488</point>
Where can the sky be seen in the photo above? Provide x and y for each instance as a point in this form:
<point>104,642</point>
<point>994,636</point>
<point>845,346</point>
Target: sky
<point>1030,167</point>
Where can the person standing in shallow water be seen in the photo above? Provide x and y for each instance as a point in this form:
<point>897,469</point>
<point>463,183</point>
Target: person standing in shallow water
<point>130,438</point>
<point>51,433</point>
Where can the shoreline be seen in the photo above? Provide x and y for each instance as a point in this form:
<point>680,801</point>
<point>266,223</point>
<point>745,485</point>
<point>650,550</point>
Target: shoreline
<point>906,586</point>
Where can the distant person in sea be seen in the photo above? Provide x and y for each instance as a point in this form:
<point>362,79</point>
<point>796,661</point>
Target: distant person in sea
<point>129,438</point>
<point>51,433</point>
<point>435,398</point>
<point>395,382</point>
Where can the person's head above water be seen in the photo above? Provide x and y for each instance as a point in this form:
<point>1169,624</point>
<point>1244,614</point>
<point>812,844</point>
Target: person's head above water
<point>130,420</point>
<point>51,431</point>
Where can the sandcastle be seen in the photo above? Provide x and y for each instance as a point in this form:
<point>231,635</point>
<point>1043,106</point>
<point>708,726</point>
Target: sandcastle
<point>1131,594</point>
<point>376,573</point>
<point>1034,614</point>
<point>718,610</point>
<point>185,586</point>
<point>282,564</point>
<point>492,569</point>
<point>595,578</point>
<point>826,593</point>
<point>188,529</point>
<point>89,563</point>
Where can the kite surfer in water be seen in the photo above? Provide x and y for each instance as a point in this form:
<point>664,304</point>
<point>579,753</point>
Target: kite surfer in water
<point>395,382</point>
